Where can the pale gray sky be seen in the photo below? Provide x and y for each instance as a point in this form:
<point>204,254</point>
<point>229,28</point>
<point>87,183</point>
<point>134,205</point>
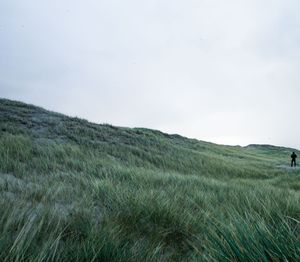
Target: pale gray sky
<point>215,70</point>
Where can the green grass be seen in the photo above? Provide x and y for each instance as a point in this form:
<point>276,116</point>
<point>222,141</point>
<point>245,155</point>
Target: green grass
<point>71,190</point>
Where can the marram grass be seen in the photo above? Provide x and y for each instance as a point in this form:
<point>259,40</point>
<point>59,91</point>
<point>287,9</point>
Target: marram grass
<point>76,191</point>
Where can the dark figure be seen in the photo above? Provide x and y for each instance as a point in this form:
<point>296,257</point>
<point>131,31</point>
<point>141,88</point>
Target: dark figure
<point>293,156</point>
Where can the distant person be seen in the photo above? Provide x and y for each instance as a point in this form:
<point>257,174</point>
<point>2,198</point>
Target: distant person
<point>293,156</point>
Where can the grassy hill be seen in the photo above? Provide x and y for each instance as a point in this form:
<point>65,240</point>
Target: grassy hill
<point>71,190</point>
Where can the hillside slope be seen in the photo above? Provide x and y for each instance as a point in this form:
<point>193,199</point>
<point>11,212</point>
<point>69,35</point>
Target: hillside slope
<point>74,190</point>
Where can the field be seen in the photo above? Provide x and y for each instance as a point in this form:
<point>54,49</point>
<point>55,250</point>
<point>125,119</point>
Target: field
<point>71,190</point>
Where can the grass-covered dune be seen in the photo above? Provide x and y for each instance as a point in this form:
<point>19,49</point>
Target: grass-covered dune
<point>71,190</point>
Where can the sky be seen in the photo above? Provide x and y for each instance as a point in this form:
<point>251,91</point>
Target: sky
<point>221,71</point>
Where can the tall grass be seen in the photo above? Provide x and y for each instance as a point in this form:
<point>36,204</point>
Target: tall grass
<point>75,191</point>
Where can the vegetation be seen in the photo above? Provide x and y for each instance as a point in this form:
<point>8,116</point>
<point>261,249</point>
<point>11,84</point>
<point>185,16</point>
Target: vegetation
<point>76,191</point>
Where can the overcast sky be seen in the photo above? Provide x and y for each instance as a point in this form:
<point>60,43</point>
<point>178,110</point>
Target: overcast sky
<point>221,71</point>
